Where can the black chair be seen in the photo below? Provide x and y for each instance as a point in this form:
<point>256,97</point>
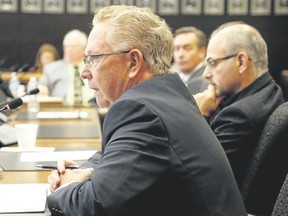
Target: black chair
<point>283,81</point>
<point>268,166</point>
<point>281,205</point>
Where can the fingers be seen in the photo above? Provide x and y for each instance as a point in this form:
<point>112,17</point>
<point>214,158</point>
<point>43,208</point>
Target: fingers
<point>64,163</point>
<point>206,100</point>
<point>211,92</point>
<point>84,173</point>
<point>76,175</point>
<point>53,180</point>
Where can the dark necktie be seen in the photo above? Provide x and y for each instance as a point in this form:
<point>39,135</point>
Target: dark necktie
<point>78,83</point>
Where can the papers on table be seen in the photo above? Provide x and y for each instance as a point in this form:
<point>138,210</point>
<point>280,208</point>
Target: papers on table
<point>62,115</point>
<point>7,135</point>
<point>45,99</point>
<point>32,149</point>
<point>16,198</point>
<point>55,156</point>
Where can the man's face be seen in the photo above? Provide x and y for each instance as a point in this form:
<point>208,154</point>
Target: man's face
<point>187,53</point>
<point>73,51</point>
<point>108,75</point>
<point>222,73</point>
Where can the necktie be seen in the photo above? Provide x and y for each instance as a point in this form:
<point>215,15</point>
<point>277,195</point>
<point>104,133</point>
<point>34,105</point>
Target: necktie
<point>78,83</point>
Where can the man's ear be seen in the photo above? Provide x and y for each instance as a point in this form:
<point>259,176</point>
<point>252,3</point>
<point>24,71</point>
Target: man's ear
<point>202,52</point>
<point>243,60</point>
<point>136,59</point>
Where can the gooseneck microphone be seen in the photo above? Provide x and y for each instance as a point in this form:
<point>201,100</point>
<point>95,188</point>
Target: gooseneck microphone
<point>12,104</point>
<point>23,68</point>
<point>31,92</point>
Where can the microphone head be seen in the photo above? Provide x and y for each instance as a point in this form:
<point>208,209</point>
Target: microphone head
<point>33,91</point>
<point>14,103</point>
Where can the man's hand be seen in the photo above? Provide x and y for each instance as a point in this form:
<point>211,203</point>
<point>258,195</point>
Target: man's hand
<point>207,100</point>
<point>63,176</point>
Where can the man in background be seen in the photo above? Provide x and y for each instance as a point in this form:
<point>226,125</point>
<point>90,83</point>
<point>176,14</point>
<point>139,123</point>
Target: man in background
<point>242,94</point>
<point>189,54</point>
<point>62,78</point>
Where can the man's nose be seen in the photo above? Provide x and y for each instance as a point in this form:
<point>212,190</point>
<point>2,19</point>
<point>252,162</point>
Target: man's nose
<point>207,73</point>
<point>85,73</point>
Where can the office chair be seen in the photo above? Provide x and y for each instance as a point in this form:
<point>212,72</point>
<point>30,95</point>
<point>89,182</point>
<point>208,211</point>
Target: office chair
<point>281,205</point>
<point>268,166</point>
<point>284,83</point>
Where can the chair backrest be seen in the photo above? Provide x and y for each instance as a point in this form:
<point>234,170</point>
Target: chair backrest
<point>281,205</point>
<point>284,83</point>
<point>268,166</point>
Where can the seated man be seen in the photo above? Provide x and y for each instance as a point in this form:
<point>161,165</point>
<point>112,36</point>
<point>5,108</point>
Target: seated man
<point>158,157</point>
<point>189,55</point>
<point>242,94</point>
<point>61,78</point>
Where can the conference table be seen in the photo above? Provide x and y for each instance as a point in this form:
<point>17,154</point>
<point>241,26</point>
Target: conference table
<point>72,141</point>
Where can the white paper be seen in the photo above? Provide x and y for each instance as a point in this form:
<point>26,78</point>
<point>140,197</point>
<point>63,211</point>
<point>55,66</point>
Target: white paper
<point>45,99</point>
<point>32,149</point>
<point>55,156</point>
<point>62,115</point>
<point>23,197</point>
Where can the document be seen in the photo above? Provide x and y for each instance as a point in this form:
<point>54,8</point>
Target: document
<point>55,156</point>
<point>62,115</point>
<point>30,149</point>
<point>21,198</point>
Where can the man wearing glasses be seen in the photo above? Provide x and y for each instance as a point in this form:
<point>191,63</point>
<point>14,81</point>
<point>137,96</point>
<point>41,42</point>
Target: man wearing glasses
<point>242,94</point>
<point>158,158</point>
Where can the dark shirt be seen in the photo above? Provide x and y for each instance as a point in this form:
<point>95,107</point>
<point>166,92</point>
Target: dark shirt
<point>239,120</point>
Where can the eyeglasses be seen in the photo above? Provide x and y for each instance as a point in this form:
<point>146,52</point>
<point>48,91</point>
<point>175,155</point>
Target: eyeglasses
<point>210,62</point>
<point>95,59</point>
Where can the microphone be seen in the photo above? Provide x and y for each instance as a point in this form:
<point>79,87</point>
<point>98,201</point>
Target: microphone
<point>3,61</point>
<point>13,68</point>
<point>23,68</point>
<point>31,92</point>
<point>12,104</point>
<point>33,68</point>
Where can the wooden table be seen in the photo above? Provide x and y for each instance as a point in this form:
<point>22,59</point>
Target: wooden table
<point>40,176</point>
<point>22,76</point>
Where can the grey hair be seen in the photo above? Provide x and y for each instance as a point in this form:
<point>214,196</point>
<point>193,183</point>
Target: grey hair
<point>243,37</point>
<point>76,34</point>
<point>200,35</point>
<point>138,28</point>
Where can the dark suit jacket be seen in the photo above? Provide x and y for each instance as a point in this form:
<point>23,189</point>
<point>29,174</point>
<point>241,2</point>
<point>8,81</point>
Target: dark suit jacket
<point>239,120</point>
<point>197,83</point>
<point>160,157</point>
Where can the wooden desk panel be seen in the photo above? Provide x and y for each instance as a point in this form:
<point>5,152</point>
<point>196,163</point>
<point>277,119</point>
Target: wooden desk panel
<point>22,76</point>
<point>20,177</point>
<point>40,176</point>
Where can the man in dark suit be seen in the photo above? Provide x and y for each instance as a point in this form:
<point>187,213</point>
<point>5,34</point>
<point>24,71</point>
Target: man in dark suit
<point>189,54</point>
<point>158,158</point>
<point>242,94</point>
